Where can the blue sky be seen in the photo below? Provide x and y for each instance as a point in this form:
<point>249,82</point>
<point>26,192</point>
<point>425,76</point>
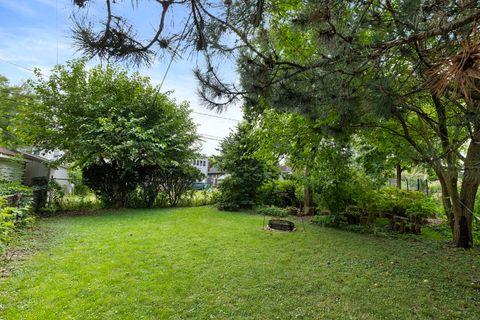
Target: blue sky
<point>36,33</point>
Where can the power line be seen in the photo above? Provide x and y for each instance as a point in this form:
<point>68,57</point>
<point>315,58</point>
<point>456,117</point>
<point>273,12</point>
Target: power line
<point>210,138</point>
<point>17,65</point>
<point>175,51</point>
<point>21,67</point>
<point>214,116</point>
<point>211,135</point>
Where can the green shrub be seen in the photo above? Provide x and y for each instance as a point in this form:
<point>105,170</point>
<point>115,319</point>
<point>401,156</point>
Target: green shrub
<point>40,192</point>
<point>80,203</point>
<point>76,178</point>
<point>235,194</point>
<point>405,203</point>
<point>13,218</point>
<point>196,198</point>
<point>279,193</point>
<point>247,173</point>
<point>272,211</point>
<point>55,194</point>
<point>15,188</point>
<point>328,220</point>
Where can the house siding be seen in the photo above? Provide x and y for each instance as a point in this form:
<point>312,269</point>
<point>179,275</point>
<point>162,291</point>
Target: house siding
<point>11,170</point>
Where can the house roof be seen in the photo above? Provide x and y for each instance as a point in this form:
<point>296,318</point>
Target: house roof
<point>215,170</point>
<point>8,152</point>
<point>37,158</point>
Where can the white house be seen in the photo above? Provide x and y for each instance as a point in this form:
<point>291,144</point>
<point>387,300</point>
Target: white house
<point>202,165</point>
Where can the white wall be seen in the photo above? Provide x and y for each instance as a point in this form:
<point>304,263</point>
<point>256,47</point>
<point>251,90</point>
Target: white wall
<point>202,165</point>
<point>60,175</point>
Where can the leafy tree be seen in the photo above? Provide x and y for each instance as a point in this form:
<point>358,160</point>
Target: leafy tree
<point>380,154</point>
<point>320,158</point>
<point>109,123</point>
<point>246,174</point>
<point>110,182</point>
<point>11,97</point>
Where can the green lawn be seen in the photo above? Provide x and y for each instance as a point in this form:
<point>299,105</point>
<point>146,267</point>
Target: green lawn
<point>199,263</point>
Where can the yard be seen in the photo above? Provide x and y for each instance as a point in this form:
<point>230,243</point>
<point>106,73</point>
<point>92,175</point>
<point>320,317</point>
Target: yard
<point>200,263</point>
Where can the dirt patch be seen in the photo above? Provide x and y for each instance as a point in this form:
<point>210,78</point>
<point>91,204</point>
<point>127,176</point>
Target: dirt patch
<point>80,213</point>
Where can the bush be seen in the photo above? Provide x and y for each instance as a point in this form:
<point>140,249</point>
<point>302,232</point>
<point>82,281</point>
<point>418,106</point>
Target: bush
<point>405,203</point>
<point>272,211</point>
<point>18,194</point>
<point>280,193</point>
<point>40,192</point>
<point>235,195</point>
<point>16,212</point>
<point>55,194</point>
<point>328,220</point>
<point>76,178</point>
<point>80,203</point>
<point>110,182</point>
<point>199,198</point>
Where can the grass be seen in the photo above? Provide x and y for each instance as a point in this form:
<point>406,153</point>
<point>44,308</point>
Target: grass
<point>199,263</point>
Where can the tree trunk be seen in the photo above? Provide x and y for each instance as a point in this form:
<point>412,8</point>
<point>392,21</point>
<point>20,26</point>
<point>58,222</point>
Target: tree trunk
<point>462,231</point>
<point>398,168</point>
<point>308,208</point>
<point>447,204</point>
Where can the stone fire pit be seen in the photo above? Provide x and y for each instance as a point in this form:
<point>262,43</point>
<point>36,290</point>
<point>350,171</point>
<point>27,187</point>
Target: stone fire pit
<point>280,224</point>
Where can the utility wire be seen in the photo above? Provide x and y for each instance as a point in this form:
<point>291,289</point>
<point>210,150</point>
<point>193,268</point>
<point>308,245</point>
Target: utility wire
<point>20,66</point>
<point>175,51</point>
<point>210,138</point>
<point>214,116</point>
<point>212,135</point>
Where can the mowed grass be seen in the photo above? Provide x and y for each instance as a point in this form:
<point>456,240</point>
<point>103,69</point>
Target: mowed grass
<point>200,263</point>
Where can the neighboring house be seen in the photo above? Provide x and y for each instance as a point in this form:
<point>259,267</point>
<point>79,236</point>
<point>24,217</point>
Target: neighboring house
<point>12,166</point>
<point>215,176</point>
<point>49,155</point>
<point>202,165</point>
